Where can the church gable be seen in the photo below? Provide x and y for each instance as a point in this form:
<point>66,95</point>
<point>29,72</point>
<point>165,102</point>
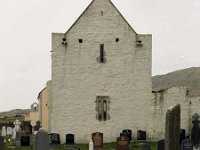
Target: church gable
<point>101,14</point>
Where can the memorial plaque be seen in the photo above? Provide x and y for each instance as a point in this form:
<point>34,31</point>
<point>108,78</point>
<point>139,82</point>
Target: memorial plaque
<point>161,144</point>
<point>97,139</point>
<point>141,135</point>
<point>187,145</point>
<point>122,143</point>
<point>69,139</point>
<point>25,141</point>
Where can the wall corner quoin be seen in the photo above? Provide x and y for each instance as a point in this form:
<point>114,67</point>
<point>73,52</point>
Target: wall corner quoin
<point>144,40</point>
<point>56,40</point>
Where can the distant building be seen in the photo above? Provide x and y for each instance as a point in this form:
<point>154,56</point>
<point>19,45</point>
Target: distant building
<point>43,108</point>
<point>33,116</point>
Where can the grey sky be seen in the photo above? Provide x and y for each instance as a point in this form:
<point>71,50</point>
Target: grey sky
<point>25,35</point>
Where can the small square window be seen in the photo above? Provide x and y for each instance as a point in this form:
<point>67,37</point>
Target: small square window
<point>80,40</point>
<point>117,40</point>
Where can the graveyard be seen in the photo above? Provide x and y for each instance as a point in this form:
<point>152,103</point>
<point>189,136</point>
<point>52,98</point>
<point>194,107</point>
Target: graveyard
<point>25,137</point>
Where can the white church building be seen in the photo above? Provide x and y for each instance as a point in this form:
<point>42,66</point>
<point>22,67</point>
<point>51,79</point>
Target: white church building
<point>101,80</point>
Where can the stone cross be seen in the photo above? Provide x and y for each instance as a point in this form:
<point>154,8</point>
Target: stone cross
<point>91,145</point>
<point>17,124</point>
<point>172,128</point>
<point>42,140</point>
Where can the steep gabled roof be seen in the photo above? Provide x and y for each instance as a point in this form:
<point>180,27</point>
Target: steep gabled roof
<point>88,8</point>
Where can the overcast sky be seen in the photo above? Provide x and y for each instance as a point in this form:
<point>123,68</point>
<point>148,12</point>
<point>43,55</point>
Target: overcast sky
<point>25,39</point>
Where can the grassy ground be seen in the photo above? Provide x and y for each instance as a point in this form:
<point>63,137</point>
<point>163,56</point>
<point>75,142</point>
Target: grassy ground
<point>107,146</point>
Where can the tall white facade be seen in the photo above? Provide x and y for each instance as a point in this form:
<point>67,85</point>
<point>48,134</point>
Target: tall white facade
<point>100,56</point>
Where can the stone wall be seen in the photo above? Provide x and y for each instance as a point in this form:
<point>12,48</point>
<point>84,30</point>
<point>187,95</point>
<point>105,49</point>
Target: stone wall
<point>164,99</point>
<point>78,77</point>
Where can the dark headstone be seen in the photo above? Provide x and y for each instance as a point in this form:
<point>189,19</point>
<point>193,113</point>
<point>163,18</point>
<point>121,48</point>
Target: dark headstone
<point>1,142</point>
<point>69,139</point>
<point>97,139</point>
<point>25,141</point>
<point>141,135</point>
<point>195,130</point>
<point>146,147</point>
<point>182,135</point>
<point>186,145</point>
<point>128,134</point>
<point>28,129</point>
<point>42,140</point>
<point>19,134</point>
<point>122,143</point>
<point>54,138</point>
<point>37,126</point>
<point>172,128</point>
<point>161,144</point>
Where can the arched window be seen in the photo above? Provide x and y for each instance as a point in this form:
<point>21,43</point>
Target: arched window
<point>102,108</point>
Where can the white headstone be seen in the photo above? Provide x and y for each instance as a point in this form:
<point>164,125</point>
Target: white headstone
<point>3,131</point>
<point>17,124</point>
<point>9,130</point>
<point>91,145</point>
<point>14,133</point>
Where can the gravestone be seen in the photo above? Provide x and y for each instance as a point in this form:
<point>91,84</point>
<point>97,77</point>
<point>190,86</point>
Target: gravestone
<point>172,128</point>
<point>37,127</point>
<point>9,131</point>
<point>69,139</point>
<point>182,135</point>
<point>187,145</point>
<point>1,142</point>
<point>91,145</point>
<point>122,143</point>
<point>161,144</point>
<point>146,147</point>
<point>54,138</point>
<point>27,127</point>
<point>141,135</point>
<point>14,133</point>
<point>42,140</point>
<point>128,134</point>
<point>195,136</point>
<point>3,131</point>
<point>19,134</point>
<point>97,139</point>
<point>17,124</point>
<point>25,141</point>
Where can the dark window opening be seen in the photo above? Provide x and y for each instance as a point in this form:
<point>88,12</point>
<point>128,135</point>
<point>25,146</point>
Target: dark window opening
<point>80,40</point>
<point>101,13</point>
<point>117,40</point>
<point>102,53</point>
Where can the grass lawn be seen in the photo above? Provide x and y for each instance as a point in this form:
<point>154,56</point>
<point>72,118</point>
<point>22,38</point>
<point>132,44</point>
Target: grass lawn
<point>107,146</point>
